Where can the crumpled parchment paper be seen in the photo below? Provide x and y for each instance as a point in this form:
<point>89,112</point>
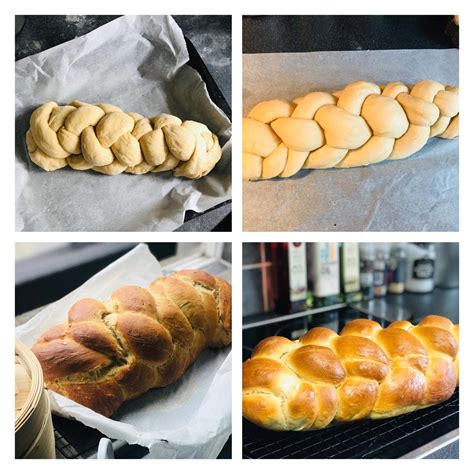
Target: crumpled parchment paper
<point>188,419</point>
<point>138,64</point>
<point>419,193</point>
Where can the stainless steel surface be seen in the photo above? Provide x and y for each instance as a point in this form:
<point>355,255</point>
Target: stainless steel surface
<point>429,449</point>
<point>35,266</point>
<point>379,308</point>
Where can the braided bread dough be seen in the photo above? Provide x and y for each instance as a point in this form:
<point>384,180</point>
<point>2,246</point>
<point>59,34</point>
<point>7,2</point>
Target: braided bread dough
<point>113,351</point>
<point>360,125</point>
<point>366,371</point>
<point>103,138</point>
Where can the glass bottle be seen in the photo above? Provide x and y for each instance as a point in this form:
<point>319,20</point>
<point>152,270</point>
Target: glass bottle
<point>350,272</point>
<point>325,273</point>
<point>380,269</point>
<point>289,275</point>
<point>397,268</point>
<point>367,258</point>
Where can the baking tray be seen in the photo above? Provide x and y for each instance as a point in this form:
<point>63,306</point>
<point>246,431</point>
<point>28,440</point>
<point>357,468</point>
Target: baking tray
<point>196,62</point>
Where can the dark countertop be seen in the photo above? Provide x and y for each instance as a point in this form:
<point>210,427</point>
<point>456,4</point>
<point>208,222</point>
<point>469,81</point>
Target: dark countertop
<point>413,306</point>
<point>441,301</point>
<point>280,33</point>
<point>210,35</point>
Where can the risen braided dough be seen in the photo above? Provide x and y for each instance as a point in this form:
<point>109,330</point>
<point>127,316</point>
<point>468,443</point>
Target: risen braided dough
<point>103,138</point>
<point>366,371</point>
<point>358,126</point>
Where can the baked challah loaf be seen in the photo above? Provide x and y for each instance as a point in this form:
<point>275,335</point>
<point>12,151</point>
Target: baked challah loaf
<point>360,125</point>
<point>366,371</point>
<point>110,352</point>
<point>103,138</point>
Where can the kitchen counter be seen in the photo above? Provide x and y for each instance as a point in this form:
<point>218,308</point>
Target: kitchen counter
<point>272,34</point>
<point>413,306</point>
<point>441,301</point>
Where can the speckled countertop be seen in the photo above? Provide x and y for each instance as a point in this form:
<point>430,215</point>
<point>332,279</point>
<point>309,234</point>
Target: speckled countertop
<point>210,35</point>
<point>295,33</point>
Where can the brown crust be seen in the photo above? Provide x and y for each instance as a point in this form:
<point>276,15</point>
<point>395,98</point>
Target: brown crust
<point>86,309</point>
<point>62,358</point>
<point>95,336</point>
<point>356,398</point>
<point>103,397</point>
<point>316,364</point>
<point>144,337</point>
<point>135,300</point>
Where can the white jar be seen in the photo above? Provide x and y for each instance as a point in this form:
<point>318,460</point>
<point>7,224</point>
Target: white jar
<point>420,267</point>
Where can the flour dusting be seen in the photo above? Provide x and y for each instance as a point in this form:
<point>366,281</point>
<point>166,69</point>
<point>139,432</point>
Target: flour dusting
<point>79,21</point>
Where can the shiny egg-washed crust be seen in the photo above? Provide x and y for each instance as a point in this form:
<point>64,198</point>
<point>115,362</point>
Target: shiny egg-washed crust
<point>113,351</point>
<point>365,372</point>
<point>105,139</point>
<point>358,126</point>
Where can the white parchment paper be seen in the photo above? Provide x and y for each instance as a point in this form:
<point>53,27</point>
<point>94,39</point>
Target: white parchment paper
<point>188,419</point>
<point>419,193</point>
<point>138,64</point>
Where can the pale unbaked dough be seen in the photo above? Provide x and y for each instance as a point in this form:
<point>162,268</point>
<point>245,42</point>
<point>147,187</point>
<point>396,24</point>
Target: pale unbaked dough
<point>360,125</point>
<point>103,138</point>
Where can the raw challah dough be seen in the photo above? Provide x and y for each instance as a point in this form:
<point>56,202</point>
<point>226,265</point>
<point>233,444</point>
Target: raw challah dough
<point>103,138</point>
<point>113,351</point>
<point>366,371</point>
<point>360,125</point>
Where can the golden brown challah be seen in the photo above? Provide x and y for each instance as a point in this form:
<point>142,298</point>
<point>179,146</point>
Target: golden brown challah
<point>107,353</point>
<point>103,138</point>
<point>366,371</point>
<point>360,125</point>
